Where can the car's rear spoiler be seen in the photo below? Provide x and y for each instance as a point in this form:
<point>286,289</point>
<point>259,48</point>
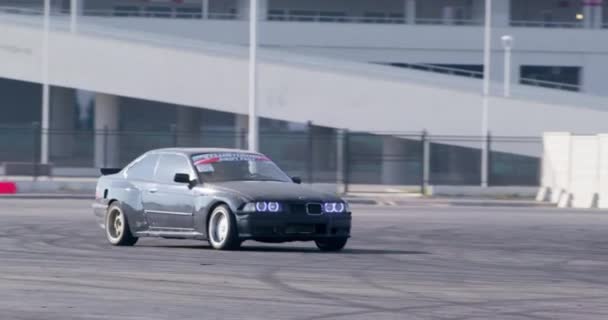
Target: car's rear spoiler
<point>108,171</point>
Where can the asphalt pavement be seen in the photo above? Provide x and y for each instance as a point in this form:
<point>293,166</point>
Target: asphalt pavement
<point>403,262</point>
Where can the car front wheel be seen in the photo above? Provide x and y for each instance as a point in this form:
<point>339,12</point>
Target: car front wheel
<point>222,229</point>
<point>331,245</point>
<point>117,228</point>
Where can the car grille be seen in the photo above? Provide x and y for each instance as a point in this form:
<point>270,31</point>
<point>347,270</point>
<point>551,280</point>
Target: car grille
<point>314,208</point>
<point>306,208</point>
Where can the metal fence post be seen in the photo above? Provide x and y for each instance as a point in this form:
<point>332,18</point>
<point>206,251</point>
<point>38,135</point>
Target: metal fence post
<point>427,162</point>
<point>174,134</point>
<point>36,133</point>
<point>489,157</point>
<point>339,157</point>
<point>310,166</point>
<point>105,146</point>
<point>425,157</point>
<point>346,158</point>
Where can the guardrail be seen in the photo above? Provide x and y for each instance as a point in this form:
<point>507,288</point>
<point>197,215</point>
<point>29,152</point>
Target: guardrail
<point>547,24</point>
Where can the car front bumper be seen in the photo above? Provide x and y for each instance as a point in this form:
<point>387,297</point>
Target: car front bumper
<point>281,227</point>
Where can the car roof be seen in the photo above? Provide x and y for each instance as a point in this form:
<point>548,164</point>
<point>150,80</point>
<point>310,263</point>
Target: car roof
<point>193,151</point>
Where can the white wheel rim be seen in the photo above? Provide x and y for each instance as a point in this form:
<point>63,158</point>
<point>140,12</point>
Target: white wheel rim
<point>218,227</point>
<point>115,225</point>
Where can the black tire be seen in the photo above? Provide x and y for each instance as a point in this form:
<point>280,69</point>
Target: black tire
<point>332,244</point>
<point>221,229</point>
<point>118,233</point>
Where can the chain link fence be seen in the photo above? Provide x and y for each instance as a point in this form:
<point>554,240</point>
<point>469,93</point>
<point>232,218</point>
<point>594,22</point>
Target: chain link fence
<point>317,155</point>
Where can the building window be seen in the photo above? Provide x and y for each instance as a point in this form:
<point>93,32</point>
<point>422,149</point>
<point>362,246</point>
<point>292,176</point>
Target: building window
<point>463,70</point>
<point>555,77</point>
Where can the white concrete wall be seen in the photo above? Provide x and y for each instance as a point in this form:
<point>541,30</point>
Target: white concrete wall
<point>401,43</point>
<point>555,177</point>
<point>603,171</point>
<point>330,93</point>
<point>584,169</point>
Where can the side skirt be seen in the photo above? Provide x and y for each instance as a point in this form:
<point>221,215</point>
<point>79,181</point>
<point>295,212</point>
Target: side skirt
<point>172,234</point>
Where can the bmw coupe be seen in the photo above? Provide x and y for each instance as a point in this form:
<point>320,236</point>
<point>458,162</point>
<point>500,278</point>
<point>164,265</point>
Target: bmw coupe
<point>223,196</point>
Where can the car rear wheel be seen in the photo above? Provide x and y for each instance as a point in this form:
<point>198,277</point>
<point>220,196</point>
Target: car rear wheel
<point>331,245</point>
<point>222,229</point>
<point>117,228</point>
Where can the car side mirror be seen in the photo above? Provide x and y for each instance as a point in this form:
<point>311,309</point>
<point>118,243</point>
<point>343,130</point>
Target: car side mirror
<point>185,179</point>
<point>182,178</point>
<point>297,180</point>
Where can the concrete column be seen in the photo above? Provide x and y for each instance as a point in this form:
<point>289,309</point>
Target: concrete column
<point>63,113</point>
<point>240,131</point>
<point>205,9</point>
<point>76,11</point>
<point>188,127</point>
<point>598,16</point>
<point>501,13</point>
<point>593,75</point>
<point>447,15</point>
<point>410,11</point>
<point>478,10</point>
<point>587,15</point>
<point>393,161</point>
<point>263,9</point>
<point>243,9</point>
<point>107,148</point>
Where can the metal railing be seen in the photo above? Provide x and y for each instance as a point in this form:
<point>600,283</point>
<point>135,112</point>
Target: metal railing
<point>192,13</point>
<point>457,22</point>
<point>171,14</point>
<point>550,84</point>
<point>547,24</point>
<point>335,18</point>
<point>443,70</point>
<point>335,156</point>
<point>479,75</point>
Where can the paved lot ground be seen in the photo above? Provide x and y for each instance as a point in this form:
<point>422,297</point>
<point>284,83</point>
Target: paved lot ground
<point>403,263</point>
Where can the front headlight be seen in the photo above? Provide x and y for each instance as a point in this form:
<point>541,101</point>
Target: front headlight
<point>335,207</point>
<point>262,206</point>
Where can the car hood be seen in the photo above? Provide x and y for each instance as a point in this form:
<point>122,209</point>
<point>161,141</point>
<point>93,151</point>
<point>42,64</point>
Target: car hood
<point>271,190</point>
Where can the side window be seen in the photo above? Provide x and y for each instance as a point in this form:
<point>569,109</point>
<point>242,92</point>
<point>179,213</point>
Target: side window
<point>169,165</point>
<point>143,169</point>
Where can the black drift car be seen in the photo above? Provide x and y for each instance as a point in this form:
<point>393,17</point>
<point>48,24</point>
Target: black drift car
<point>221,195</point>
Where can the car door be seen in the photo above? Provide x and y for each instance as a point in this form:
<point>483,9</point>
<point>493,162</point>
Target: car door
<point>170,205</point>
<point>140,175</point>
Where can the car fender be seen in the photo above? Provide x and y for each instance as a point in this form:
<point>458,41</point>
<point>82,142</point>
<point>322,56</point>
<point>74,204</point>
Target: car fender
<point>204,206</point>
<point>130,199</point>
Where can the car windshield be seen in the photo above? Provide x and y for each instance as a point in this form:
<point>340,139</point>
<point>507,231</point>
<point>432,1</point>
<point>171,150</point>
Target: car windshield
<point>229,166</point>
